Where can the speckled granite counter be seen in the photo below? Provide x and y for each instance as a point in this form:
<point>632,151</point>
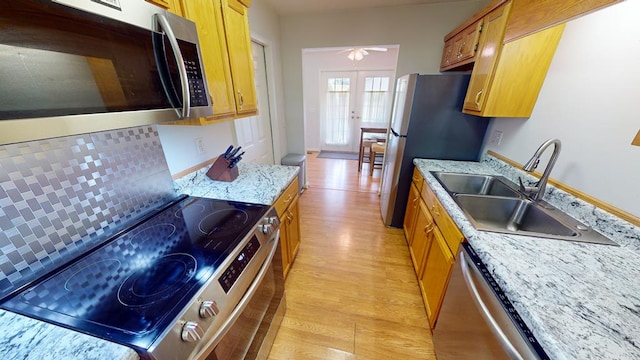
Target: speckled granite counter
<point>256,183</point>
<point>24,338</point>
<point>582,301</point>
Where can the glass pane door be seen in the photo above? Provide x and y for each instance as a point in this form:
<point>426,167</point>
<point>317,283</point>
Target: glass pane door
<point>351,100</point>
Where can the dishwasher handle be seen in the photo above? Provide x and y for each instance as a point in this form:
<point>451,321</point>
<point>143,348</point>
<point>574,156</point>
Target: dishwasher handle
<point>466,264</point>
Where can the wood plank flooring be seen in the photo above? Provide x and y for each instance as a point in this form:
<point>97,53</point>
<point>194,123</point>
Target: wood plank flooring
<point>352,292</point>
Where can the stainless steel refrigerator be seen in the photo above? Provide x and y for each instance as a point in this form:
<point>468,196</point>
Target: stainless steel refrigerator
<point>426,122</point>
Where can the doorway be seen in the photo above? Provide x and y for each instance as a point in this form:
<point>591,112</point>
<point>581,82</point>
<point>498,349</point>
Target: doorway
<point>254,133</point>
<point>318,65</point>
<point>350,100</point>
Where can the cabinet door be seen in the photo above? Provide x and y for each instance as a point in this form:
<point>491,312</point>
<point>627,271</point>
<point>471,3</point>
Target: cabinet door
<point>433,280</point>
<point>422,237</point>
<point>293,229</point>
<point>284,240</point>
<point>207,14</point>
<point>240,57</point>
<point>411,213</point>
<point>489,50</point>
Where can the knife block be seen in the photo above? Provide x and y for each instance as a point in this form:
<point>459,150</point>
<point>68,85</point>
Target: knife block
<point>220,170</point>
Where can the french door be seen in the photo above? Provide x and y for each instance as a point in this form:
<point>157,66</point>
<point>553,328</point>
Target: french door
<point>351,100</point>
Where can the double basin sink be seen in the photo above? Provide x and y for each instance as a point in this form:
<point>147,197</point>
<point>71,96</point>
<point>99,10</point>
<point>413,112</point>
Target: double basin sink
<point>494,203</point>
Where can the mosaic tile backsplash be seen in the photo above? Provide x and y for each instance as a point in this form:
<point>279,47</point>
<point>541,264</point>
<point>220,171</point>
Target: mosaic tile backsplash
<point>61,197</point>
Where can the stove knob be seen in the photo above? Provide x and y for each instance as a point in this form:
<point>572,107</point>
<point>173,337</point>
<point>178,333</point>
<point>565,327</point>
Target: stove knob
<point>267,229</point>
<point>208,309</point>
<point>192,332</point>
<point>273,220</point>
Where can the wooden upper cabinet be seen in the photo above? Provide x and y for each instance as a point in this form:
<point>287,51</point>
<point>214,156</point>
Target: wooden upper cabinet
<point>162,3</point>
<point>240,57</point>
<point>460,48</point>
<point>518,39</point>
<point>225,41</point>
<point>490,42</point>
<point>207,14</point>
<point>529,16</point>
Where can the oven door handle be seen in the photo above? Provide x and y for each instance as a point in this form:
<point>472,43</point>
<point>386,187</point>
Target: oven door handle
<point>165,27</point>
<point>242,304</point>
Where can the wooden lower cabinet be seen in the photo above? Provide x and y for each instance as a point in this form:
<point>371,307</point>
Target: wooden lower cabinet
<point>434,278</point>
<point>433,244</point>
<point>411,212</point>
<point>422,237</point>
<point>288,212</point>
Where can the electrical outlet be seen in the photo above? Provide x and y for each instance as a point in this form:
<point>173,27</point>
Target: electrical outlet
<point>200,146</point>
<point>496,138</point>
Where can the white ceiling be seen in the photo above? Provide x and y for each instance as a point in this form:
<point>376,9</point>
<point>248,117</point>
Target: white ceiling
<point>315,6</point>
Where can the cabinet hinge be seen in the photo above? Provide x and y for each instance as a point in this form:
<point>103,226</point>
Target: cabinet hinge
<point>481,27</point>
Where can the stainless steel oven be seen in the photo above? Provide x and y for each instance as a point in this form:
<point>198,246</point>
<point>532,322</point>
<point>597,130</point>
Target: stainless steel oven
<point>253,326</point>
<point>78,66</point>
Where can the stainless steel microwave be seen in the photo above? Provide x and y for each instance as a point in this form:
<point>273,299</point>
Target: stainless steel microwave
<point>75,66</point>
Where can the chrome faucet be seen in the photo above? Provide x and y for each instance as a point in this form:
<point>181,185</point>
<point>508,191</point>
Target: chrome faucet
<point>537,192</point>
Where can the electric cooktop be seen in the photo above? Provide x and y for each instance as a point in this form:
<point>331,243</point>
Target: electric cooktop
<point>131,288</point>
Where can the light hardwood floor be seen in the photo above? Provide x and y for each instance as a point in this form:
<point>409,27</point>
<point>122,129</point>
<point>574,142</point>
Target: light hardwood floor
<point>352,292</point>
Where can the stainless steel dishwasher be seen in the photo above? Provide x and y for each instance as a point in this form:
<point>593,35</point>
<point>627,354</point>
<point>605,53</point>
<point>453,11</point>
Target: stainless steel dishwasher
<point>477,321</point>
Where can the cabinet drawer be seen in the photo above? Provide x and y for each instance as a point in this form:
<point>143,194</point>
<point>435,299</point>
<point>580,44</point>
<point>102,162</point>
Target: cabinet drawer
<point>417,178</point>
<point>287,197</point>
<point>461,49</point>
<point>450,231</point>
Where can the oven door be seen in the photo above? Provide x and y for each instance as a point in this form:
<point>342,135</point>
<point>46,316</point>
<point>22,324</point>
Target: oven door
<point>257,316</point>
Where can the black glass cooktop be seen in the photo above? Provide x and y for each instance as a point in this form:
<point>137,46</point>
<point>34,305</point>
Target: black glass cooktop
<point>130,289</point>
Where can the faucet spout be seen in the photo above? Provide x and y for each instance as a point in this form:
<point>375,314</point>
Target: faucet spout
<point>532,164</point>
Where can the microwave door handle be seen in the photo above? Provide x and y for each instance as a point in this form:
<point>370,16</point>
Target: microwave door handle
<point>465,264</point>
<point>182,68</point>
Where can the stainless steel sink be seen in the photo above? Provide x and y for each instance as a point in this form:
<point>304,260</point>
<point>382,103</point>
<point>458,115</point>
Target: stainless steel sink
<point>525,217</point>
<point>493,203</point>
<point>458,183</point>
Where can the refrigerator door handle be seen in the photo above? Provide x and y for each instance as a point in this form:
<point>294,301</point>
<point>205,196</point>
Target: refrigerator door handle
<point>396,134</point>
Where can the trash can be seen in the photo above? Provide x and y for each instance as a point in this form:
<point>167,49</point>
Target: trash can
<point>296,160</point>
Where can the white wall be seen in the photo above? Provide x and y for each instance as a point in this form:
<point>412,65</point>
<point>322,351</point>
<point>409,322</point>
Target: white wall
<point>317,60</point>
<point>178,142</point>
<point>590,102</point>
<point>418,29</point>
<point>265,29</point>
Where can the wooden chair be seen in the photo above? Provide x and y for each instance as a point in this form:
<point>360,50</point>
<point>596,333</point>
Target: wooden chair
<point>377,149</point>
<point>365,151</point>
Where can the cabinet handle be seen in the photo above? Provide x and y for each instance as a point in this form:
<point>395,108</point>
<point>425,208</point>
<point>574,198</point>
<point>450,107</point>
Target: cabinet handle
<point>240,99</point>
<point>428,228</point>
<point>288,199</point>
<point>434,210</point>
<point>289,217</point>
<point>478,98</point>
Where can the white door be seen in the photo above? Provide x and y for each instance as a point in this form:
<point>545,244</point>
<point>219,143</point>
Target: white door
<point>351,100</point>
<point>253,133</point>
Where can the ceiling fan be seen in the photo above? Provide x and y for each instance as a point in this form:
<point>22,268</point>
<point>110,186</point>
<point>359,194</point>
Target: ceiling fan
<point>357,54</point>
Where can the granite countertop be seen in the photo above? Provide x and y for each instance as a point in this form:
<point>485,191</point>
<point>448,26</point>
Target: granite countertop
<point>256,183</point>
<point>582,301</point>
<point>25,338</point>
